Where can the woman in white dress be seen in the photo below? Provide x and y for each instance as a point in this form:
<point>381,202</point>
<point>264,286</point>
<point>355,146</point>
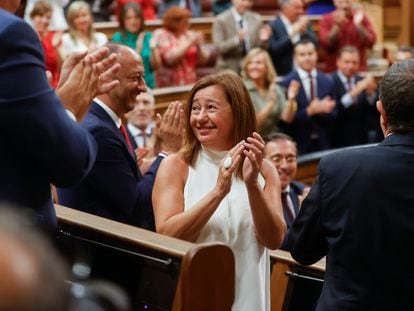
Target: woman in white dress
<point>219,187</point>
<point>81,35</point>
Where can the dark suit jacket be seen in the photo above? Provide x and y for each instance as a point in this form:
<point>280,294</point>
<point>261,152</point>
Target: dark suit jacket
<point>39,143</point>
<point>114,188</point>
<point>296,189</point>
<point>303,125</point>
<point>280,46</point>
<point>351,126</point>
<point>359,214</point>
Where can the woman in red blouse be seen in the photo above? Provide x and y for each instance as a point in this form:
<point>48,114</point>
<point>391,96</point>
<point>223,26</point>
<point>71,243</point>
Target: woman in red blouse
<point>41,15</point>
<point>179,49</point>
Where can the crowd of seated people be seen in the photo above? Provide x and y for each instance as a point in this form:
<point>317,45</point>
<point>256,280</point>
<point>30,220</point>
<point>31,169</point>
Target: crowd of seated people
<point>318,109</point>
<point>173,54</point>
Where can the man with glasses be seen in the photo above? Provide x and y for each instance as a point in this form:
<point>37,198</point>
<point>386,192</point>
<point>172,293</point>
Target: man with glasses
<point>281,150</point>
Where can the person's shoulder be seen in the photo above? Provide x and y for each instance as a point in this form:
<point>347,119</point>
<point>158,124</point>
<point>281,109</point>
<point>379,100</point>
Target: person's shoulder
<point>275,20</point>
<point>325,76</point>
<point>117,36</point>
<point>66,37</point>
<point>327,16</point>
<point>7,18</point>
<point>101,38</point>
<point>287,78</point>
<point>223,16</point>
<point>298,186</point>
<point>15,27</point>
<point>348,155</point>
<point>254,15</point>
<point>176,160</point>
<point>175,166</point>
<point>95,124</point>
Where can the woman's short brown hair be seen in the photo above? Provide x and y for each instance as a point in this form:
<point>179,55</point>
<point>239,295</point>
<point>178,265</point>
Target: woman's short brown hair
<point>238,97</point>
<point>40,8</point>
<point>174,16</point>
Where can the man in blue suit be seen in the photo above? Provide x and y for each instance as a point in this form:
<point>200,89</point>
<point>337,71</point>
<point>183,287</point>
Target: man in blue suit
<point>290,26</point>
<point>359,213</point>
<point>115,188</point>
<point>281,150</point>
<point>39,143</point>
<point>312,125</point>
<point>357,96</point>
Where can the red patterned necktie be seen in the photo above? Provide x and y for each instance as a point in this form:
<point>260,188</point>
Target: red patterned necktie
<point>312,88</point>
<point>126,137</point>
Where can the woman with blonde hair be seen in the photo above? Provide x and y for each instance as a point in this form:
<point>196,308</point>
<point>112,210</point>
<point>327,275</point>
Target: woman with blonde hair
<point>268,97</point>
<point>219,187</point>
<point>81,35</point>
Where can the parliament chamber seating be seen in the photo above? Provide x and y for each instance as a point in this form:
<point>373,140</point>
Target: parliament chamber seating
<point>157,272</point>
<point>163,273</point>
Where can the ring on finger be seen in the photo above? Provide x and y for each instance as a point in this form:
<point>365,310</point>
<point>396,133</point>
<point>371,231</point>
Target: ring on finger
<point>228,161</point>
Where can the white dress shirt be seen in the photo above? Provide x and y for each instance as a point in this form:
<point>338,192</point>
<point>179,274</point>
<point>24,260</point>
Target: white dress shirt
<point>304,77</point>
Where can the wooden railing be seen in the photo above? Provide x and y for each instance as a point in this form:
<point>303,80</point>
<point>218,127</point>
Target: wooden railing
<point>157,271</point>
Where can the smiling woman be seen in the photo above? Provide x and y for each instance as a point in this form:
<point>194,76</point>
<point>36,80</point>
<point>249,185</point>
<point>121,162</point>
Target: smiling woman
<point>41,15</point>
<point>268,98</point>
<point>81,35</point>
<point>200,197</point>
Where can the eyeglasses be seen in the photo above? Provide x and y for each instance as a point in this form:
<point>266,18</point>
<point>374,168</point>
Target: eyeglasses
<point>278,159</point>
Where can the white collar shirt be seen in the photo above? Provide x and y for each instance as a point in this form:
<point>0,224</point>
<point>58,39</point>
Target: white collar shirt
<point>109,111</point>
<point>288,26</point>
<point>304,77</point>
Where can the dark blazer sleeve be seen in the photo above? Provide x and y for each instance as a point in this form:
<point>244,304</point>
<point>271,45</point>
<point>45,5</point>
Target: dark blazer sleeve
<point>118,183</point>
<point>305,237</point>
<point>62,151</point>
<point>279,42</point>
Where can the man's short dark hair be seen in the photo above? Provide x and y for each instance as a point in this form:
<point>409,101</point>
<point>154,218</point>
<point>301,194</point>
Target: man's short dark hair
<point>397,96</point>
<point>281,136</point>
<point>304,41</point>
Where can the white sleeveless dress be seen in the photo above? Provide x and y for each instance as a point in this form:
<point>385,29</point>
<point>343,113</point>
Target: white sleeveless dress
<point>232,223</point>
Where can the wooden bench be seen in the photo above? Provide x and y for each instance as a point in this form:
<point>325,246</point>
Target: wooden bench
<point>293,286</point>
<point>166,273</point>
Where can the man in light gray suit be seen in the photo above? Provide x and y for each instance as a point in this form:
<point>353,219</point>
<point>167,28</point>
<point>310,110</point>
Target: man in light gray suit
<point>235,32</point>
